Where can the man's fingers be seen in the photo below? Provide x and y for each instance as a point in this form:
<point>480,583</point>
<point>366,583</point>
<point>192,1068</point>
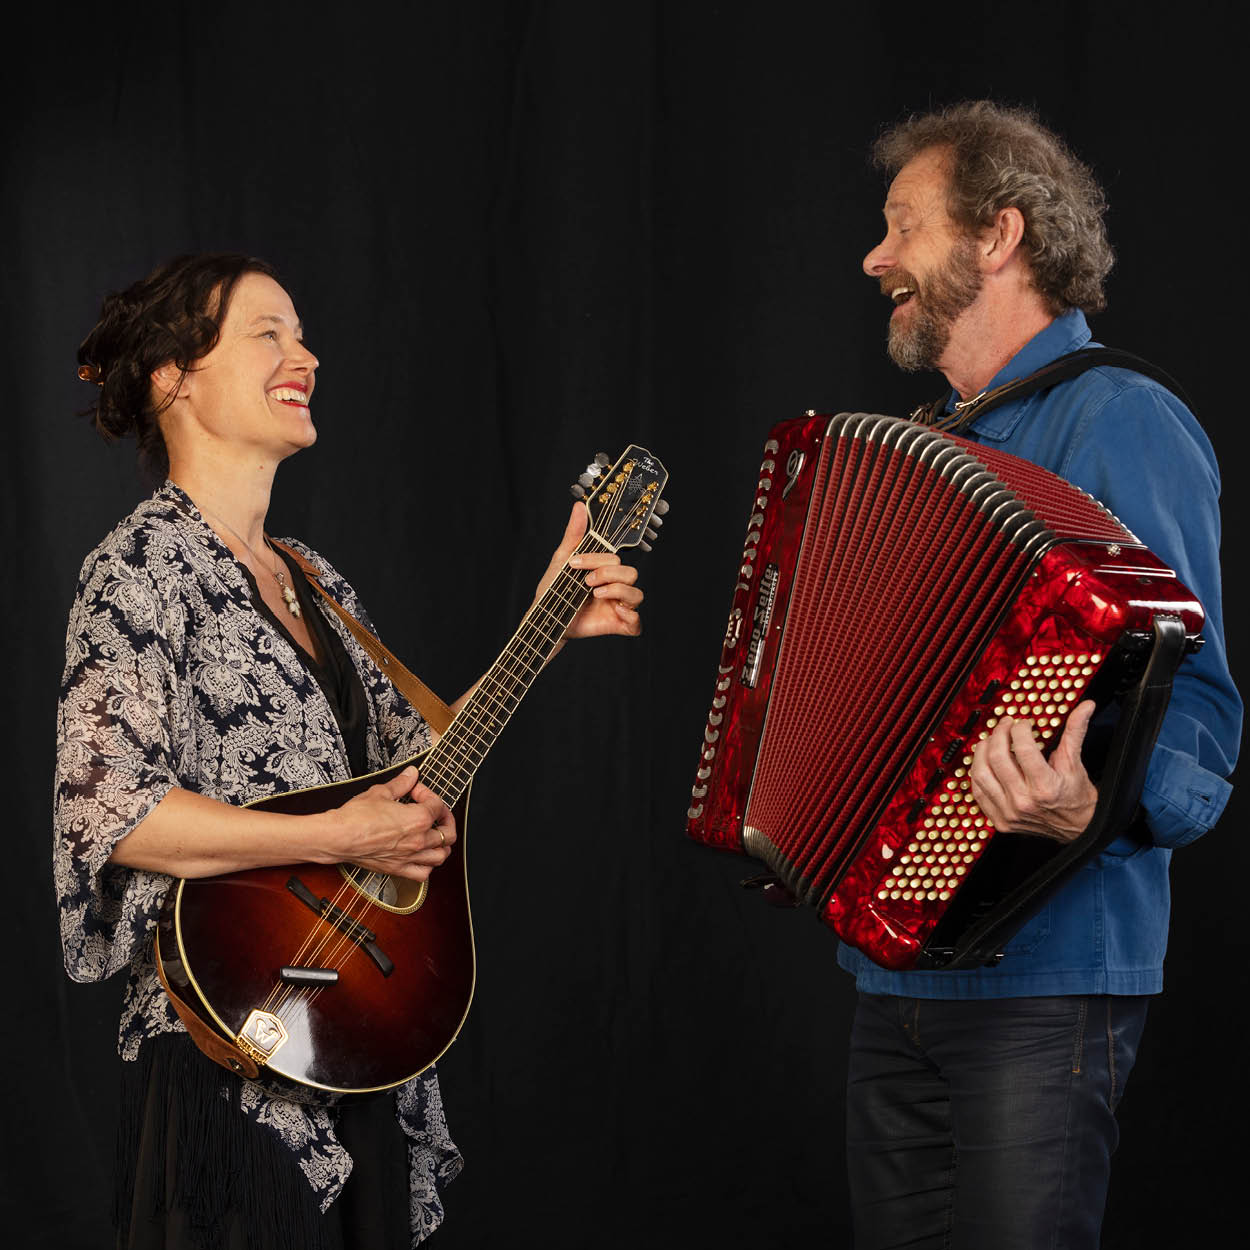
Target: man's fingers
<point>1028,755</point>
<point>1068,752</point>
<point>995,755</point>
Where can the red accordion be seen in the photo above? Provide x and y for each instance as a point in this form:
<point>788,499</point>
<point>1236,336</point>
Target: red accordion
<point>900,591</point>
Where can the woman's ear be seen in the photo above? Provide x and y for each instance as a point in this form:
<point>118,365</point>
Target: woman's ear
<point>169,382</point>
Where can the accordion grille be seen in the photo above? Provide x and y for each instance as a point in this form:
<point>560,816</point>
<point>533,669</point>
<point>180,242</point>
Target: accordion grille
<point>910,554</point>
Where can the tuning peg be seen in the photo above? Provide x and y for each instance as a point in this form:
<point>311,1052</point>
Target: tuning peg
<point>656,520</point>
<point>650,533</point>
<point>644,546</point>
<point>603,460</point>
<point>587,479</point>
<point>661,508</point>
<point>577,491</point>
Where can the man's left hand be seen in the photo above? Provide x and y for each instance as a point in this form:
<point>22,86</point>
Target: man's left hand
<point>1021,791</point>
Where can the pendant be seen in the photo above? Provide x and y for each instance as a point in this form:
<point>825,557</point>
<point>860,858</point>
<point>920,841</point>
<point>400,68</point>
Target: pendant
<point>288,596</point>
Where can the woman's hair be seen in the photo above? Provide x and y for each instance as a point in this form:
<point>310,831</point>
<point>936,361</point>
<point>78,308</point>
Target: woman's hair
<point>172,315</point>
<point>1004,157</point>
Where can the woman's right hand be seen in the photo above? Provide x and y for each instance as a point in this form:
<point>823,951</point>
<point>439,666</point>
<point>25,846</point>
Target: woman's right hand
<point>398,827</point>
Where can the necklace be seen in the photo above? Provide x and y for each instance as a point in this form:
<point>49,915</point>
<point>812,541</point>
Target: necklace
<point>288,593</point>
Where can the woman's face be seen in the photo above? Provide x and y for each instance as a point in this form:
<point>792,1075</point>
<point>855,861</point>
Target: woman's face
<point>251,393</point>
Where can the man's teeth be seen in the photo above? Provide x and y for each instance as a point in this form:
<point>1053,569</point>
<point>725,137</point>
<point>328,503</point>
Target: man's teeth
<point>289,393</point>
<point>901,293</point>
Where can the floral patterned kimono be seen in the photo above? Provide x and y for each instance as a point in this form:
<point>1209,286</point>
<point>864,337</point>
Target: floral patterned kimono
<point>173,677</point>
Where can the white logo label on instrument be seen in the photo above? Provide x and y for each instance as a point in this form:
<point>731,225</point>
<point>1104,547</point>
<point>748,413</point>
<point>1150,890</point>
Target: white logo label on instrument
<point>262,1034</point>
<point>759,629</point>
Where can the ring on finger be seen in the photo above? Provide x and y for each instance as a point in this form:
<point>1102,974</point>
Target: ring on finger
<point>442,837</point>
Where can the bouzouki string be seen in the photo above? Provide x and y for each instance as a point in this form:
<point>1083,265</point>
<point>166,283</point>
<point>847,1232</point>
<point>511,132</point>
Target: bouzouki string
<point>559,605</point>
<point>569,593</point>
<point>566,590</point>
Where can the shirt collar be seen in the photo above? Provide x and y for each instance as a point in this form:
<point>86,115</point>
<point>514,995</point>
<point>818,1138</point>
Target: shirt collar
<point>1067,333</point>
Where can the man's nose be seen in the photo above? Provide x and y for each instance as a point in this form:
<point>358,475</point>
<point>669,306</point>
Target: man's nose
<point>878,261</point>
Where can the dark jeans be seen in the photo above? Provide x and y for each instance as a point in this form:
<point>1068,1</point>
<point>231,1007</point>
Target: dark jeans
<point>985,1124</point>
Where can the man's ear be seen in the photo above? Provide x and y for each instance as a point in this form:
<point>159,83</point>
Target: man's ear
<point>1002,240</point>
<point>169,381</point>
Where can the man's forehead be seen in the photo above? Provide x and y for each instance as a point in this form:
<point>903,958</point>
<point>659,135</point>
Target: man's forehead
<point>921,183</point>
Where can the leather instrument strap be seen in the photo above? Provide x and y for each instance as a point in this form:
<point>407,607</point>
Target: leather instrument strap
<point>216,1047</point>
<point>437,714</point>
<point>1059,370</point>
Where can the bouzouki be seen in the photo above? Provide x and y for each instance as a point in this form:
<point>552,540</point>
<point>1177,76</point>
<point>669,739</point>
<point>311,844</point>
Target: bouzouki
<point>324,982</point>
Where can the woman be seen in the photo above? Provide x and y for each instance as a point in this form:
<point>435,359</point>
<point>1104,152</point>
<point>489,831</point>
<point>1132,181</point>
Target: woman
<point>200,675</point>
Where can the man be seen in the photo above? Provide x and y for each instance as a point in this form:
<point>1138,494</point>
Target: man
<point>981,1104</point>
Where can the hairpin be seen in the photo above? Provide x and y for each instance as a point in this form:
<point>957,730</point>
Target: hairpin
<point>90,373</point>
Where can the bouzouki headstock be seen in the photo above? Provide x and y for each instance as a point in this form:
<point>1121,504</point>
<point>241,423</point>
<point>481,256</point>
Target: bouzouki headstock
<point>622,500</point>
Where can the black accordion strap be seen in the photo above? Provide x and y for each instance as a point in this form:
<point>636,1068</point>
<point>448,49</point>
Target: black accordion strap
<point>1060,370</point>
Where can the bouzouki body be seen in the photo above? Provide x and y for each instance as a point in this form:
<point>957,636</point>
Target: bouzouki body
<point>402,989</point>
<point>329,982</point>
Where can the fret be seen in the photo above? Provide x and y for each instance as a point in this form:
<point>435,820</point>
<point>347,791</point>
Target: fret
<point>456,757</point>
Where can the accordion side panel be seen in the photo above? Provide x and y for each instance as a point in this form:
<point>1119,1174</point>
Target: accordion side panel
<point>793,459</point>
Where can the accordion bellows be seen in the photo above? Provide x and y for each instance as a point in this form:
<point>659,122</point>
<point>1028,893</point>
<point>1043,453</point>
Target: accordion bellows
<point>900,591</point>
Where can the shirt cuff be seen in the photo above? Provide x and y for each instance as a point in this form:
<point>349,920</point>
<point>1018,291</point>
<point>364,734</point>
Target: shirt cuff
<point>1182,799</point>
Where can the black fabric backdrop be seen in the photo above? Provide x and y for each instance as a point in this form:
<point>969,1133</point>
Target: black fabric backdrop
<point>520,233</point>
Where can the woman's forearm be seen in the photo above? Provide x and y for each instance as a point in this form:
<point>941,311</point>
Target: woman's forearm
<point>189,835</point>
<point>398,826</point>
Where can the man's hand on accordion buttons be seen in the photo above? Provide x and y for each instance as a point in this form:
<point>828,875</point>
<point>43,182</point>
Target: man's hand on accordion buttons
<point>1021,791</point>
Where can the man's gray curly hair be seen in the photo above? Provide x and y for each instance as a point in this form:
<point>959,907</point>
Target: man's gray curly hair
<point>1005,158</point>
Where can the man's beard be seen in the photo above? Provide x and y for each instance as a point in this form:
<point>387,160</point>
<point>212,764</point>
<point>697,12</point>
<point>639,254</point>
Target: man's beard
<point>919,343</point>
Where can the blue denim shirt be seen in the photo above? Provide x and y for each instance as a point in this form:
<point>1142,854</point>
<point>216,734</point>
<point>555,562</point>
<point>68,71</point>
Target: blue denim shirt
<point>1136,447</point>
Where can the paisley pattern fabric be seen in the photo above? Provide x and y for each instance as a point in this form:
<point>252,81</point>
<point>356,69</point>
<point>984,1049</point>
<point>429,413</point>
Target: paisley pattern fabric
<point>173,678</point>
